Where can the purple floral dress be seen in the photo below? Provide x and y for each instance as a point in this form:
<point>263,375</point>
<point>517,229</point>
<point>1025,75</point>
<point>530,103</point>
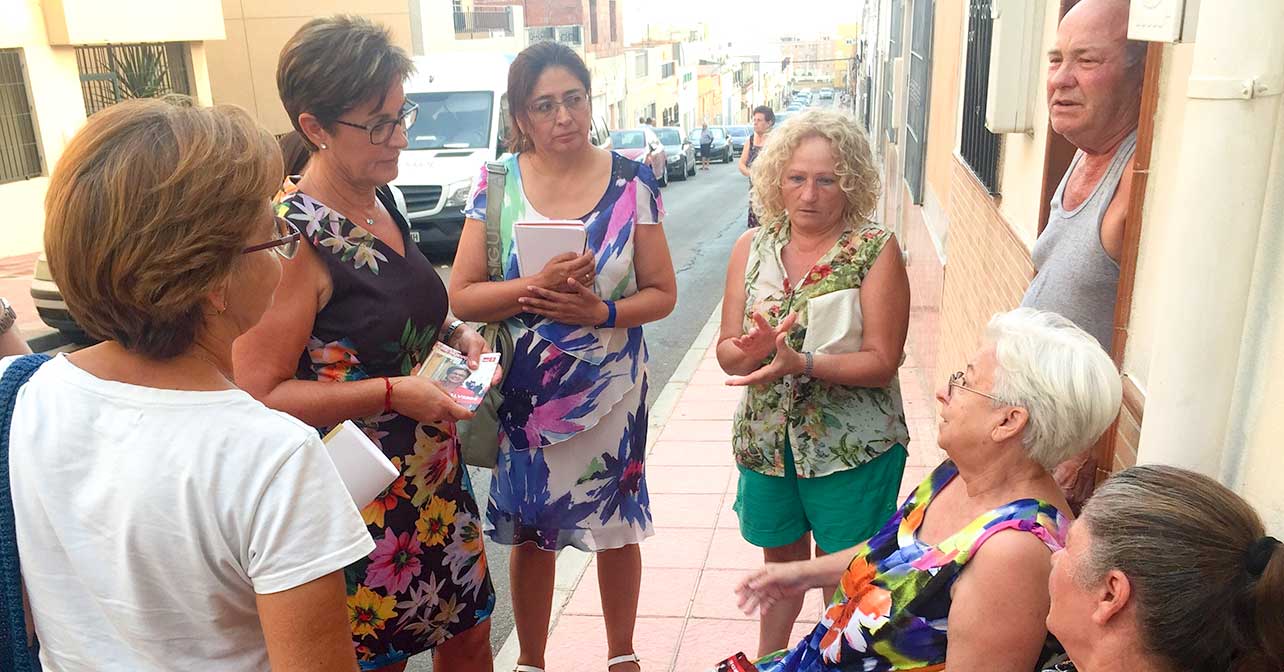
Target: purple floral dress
<point>573,422</point>
<point>426,579</point>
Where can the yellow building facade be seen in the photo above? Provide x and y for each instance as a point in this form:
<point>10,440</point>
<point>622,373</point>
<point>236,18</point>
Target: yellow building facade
<point>243,66</point>
<point>46,47</point>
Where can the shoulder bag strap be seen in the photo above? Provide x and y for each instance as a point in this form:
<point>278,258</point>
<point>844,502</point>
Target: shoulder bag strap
<point>496,173</point>
<point>14,635</point>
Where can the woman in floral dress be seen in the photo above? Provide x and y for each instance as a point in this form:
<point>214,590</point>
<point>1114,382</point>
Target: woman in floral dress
<point>573,421</point>
<point>357,311</point>
<point>814,320</point>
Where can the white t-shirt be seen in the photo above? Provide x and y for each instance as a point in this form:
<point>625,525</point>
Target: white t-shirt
<point>148,519</point>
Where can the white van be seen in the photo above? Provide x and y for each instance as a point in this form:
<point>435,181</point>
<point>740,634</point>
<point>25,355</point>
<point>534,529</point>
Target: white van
<point>462,124</point>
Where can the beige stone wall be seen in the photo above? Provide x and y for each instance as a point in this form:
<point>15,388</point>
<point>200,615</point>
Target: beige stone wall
<point>242,68</point>
<point>53,81</point>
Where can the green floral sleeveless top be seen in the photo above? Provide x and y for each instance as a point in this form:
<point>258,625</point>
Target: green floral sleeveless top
<point>830,427</point>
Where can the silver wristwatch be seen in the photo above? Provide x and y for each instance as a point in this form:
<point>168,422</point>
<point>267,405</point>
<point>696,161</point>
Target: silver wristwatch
<point>7,316</point>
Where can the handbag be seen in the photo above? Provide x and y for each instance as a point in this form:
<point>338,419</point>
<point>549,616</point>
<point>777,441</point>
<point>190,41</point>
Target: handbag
<point>479,437</point>
<point>19,650</point>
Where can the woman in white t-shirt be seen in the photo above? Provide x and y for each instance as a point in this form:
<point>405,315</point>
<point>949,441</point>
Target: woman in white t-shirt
<point>165,519</point>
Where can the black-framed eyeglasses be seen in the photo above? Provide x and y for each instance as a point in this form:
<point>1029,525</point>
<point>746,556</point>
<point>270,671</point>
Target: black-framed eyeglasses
<point>286,242</point>
<point>382,131</point>
<point>958,381</point>
<point>545,109</point>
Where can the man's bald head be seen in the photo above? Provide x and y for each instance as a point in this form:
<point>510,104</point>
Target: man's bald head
<point>1094,75</point>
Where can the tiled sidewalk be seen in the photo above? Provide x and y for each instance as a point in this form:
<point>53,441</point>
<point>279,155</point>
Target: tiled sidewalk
<point>687,618</point>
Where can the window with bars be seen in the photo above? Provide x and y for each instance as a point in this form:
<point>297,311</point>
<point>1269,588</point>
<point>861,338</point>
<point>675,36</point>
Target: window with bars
<point>593,21</point>
<point>19,151</point>
<point>640,65</point>
<point>666,70</point>
<point>116,72</point>
<point>615,34</point>
<point>977,145</point>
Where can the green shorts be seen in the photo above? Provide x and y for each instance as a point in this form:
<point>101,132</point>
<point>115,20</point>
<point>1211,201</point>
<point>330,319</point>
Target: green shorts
<point>840,510</point>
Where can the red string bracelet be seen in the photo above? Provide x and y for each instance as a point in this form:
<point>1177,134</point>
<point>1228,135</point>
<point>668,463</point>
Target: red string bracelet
<point>387,396</point>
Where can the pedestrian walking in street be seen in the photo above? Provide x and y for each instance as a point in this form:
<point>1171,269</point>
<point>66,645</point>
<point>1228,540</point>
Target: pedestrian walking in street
<point>814,321</point>
<point>1168,570</point>
<point>357,311</point>
<point>706,146</point>
<point>572,425</point>
<point>763,120</point>
<point>1094,101</point>
<point>164,518</point>
<point>957,579</point>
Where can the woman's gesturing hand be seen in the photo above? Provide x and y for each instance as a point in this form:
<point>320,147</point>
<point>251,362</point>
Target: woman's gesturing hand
<point>774,582</point>
<point>787,362</point>
<point>425,401</point>
<point>576,304</point>
<point>583,268</point>
<point>760,341</point>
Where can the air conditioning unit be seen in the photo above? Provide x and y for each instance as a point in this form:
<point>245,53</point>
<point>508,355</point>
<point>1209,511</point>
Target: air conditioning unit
<point>1016,65</point>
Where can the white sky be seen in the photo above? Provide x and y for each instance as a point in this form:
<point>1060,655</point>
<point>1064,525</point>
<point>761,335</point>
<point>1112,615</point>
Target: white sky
<point>751,20</point>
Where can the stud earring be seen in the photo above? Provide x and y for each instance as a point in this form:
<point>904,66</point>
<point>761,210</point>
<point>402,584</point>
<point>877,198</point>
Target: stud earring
<point>324,146</point>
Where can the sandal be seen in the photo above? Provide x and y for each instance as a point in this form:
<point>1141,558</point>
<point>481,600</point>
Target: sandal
<point>527,668</point>
<point>626,658</point>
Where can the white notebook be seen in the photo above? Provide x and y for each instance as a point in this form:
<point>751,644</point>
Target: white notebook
<point>538,242</point>
<point>362,466</point>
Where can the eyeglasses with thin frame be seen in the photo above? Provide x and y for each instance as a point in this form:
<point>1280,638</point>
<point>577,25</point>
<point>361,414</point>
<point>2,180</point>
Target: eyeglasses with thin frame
<point>958,381</point>
<point>286,244</point>
<point>382,131</point>
<point>545,109</point>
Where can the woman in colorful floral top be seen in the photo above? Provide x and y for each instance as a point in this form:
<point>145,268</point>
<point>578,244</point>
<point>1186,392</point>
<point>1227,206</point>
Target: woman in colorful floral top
<point>572,426</point>
<point>357,311</point>
<point>959,576</point>
<point>813,324</point>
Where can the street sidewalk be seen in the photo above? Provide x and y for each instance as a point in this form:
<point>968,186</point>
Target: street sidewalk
<point>687,618</point>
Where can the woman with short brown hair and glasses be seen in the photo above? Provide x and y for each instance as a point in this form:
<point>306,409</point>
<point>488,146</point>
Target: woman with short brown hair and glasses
<point>358,311</point>
<point>164,517</point>
<point>572,426</point>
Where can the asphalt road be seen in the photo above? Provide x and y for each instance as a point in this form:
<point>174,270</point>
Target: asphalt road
<point>704,216</point>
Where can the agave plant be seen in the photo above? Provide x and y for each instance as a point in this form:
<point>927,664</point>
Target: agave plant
<point>141,72</point>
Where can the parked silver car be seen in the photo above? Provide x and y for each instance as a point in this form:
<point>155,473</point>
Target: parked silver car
<point>679,154</point>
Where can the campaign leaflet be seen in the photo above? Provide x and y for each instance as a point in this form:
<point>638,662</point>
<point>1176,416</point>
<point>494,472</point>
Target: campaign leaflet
<point>448,367</point>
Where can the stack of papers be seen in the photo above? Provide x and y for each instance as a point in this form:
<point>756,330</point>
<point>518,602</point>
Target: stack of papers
<point>362,466</point>
<point>538,242</point>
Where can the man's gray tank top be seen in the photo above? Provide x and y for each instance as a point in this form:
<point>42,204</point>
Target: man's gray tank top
<point>1074,275</point>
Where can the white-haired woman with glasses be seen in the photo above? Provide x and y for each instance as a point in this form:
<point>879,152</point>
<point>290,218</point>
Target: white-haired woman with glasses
<point>957,579</point>
<point>358,310</point>
<point>572,426</point>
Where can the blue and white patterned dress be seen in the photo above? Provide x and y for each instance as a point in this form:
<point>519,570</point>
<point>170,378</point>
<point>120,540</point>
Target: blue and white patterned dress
<point>570,470</point>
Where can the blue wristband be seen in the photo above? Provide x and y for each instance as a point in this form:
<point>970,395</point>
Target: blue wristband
<point>610,315</point>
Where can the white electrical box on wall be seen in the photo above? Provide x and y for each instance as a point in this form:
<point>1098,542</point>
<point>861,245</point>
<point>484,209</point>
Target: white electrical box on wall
<point>1163,20</point>
<point>1016,61</point>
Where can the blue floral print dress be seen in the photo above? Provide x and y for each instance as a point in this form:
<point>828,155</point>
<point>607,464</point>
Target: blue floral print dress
<point>426,580</point>
<point>572,426</point>
<point>892,606</point>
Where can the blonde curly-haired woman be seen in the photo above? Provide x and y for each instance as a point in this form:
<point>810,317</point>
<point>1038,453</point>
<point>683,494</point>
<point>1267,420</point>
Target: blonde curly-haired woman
<point>814,320</point>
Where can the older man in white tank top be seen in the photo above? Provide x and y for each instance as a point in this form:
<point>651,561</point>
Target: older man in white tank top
<point>1094,96</point>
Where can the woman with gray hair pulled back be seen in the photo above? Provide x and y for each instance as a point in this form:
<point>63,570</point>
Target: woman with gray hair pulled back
<point>1168,570</point>
<point>957,579</point>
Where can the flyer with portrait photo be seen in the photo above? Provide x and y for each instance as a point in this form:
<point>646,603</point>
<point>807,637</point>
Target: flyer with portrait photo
<point>448,367</point>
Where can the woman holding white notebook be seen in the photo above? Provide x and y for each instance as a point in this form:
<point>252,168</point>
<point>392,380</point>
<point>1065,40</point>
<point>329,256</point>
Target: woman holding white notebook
<point>573,421</point>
